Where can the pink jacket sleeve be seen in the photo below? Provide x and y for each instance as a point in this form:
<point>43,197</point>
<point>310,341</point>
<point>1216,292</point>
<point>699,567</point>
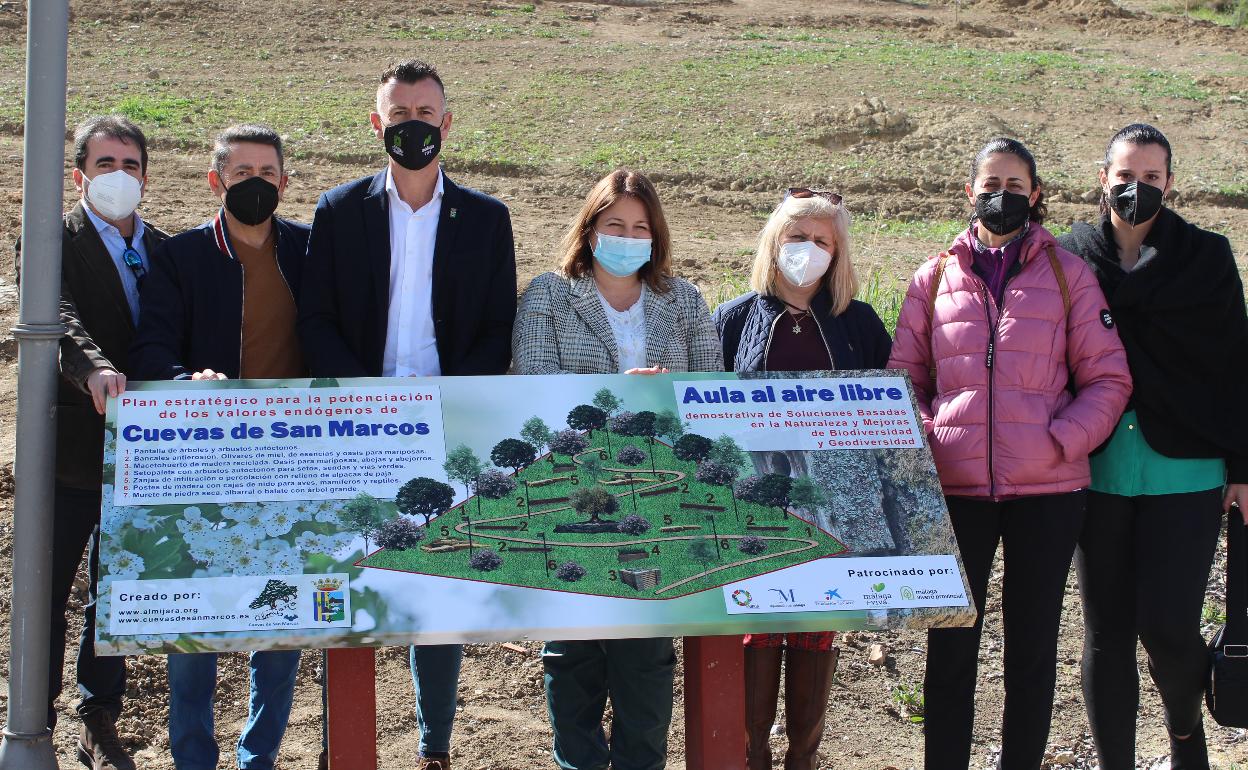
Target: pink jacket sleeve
<point>912,342</point>
<point>1098,363</point>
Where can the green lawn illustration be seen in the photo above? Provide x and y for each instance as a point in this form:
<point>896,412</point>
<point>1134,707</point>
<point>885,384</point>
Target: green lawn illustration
<point>699,535</point>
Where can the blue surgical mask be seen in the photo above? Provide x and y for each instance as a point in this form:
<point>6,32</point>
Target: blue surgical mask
<point>621,256</point>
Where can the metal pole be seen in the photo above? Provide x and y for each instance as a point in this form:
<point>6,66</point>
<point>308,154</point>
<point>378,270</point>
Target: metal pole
<point>27,743</point>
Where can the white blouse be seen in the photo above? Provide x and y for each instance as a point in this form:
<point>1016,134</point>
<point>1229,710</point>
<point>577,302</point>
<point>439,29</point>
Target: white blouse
<point>629,329</point>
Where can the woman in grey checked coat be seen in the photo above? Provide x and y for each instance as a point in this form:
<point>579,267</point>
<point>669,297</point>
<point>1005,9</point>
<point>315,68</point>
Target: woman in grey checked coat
<point>613,307</point>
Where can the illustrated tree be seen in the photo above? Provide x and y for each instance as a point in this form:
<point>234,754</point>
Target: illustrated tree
<point>594,502</point>
<point>632,524</point>
<point>400,534</point>
<point>703,550</point>
<point>590,418</point>
<point>752,545</point>
<point>462,465</point>
<point>692,448</point>
<point>485,560</point>
<point>513,453</point>
<point>805,494</point>
<point>607,401</point>
<point>425,497</point>
<point>770,490</point>
<point>587,417</point>
<point>570,571</point>
<point>622,424</point>
<point>536,432</point>
<point>710,472</point>
<point>726,451</point>
<point>668,425</point>
<point>591,465</point>
<point>274,591</point>
<point>631,456</point>
<point>568,442</point>
<point>717,474</point>
<point>643,424</point>
<point>364,514</point>
<point>494,484</point>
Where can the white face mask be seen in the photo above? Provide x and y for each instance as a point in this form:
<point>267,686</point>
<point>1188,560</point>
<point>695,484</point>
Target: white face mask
<point>803,262</point>
<point>114,195</point>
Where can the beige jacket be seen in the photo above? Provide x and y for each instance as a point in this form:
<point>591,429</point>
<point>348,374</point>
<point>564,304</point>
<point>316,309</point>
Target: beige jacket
<point>561,328</point>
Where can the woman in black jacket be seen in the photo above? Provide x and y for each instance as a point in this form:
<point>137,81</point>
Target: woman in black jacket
<point>1178,458</point>
<point>800,316</point>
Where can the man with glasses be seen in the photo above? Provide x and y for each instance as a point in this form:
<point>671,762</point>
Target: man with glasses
<point>220,303</point>
<point>104,261</point>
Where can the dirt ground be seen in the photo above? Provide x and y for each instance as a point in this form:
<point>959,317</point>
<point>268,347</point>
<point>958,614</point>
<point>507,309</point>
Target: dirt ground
<point>724,103</point>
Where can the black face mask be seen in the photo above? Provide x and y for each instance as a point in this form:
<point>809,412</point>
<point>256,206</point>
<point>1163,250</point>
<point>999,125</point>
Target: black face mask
<point>1002,212</point>
<point>413,143</point>
<point>1135,202</point>
<point>252,200</point>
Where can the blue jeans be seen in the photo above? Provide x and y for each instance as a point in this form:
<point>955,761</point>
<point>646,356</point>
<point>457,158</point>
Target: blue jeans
<point>192,681</point>
<point>435,677</point>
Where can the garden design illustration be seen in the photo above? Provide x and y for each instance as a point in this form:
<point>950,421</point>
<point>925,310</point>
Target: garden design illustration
<point>618,503</point>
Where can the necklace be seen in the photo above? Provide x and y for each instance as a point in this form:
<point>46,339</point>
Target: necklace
<point>797,316</point>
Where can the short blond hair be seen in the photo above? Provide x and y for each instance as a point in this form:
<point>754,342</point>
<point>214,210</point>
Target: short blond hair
<point>841,281</point>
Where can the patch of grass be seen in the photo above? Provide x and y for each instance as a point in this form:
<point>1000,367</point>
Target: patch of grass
<point>731,285</point>
<point>499,24</point>
<point>884,296</point>
<point>937,231</point>
<point>909,701</point>
<point>1226,13</point>
<point>1058,229</point>
<point>458,33</point>
<point>672,552</point>
<point>161,111</point>
<point>1211,615</point>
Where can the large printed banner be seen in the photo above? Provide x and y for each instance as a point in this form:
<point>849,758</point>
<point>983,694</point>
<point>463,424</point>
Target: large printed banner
<point>326,513</point>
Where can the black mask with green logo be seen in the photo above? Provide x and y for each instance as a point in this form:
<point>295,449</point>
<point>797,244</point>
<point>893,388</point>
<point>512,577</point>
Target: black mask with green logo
<point>413,143</point>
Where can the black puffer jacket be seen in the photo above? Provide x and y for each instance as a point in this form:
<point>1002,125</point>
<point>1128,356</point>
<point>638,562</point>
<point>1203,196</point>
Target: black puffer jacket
<point>856,339</point>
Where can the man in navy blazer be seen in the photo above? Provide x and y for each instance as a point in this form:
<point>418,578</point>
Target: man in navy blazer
<point>409,274</point>
<point>467,281</point>
<point>220,303</point>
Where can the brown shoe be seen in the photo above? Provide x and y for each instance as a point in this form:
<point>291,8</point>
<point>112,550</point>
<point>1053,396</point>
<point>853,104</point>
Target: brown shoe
<point>99,747</point>
<point>433,763</point>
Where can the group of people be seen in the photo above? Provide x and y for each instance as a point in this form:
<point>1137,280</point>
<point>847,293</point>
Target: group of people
<point>1081,397</point>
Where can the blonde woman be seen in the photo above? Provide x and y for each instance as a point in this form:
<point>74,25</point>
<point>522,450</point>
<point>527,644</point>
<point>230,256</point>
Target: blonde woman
<point>613,307</point>
<point>800,316</point>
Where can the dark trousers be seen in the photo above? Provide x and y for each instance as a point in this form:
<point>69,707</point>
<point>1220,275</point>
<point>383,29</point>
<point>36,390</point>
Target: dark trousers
<point>101,681</point>
<point>1038,536</point>
<point>1143,566</point>
<point>637,675</point>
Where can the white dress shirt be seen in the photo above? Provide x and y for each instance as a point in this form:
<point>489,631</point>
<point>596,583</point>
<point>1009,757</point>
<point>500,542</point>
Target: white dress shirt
<point>411,348</point>
<point>629,329</point>
<point>116,246</point>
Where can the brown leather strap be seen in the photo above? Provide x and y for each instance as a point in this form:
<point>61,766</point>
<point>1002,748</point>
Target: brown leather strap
<point>931,304</point>
<point>1060,274</point>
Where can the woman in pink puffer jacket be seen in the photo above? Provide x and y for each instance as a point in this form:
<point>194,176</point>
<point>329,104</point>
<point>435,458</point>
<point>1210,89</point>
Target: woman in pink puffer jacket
<point>1019,374</point>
